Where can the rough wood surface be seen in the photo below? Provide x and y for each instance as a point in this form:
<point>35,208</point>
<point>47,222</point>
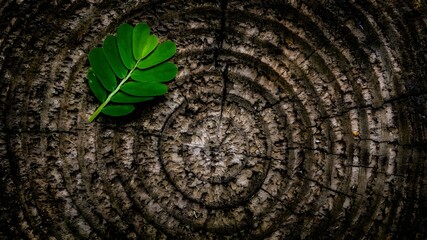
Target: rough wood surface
<point>287,120</point>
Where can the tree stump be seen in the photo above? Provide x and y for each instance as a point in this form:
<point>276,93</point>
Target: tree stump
<point>287,120</point>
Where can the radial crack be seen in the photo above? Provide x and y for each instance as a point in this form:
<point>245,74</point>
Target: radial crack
<point>220,36</point>
<point>225,80</point>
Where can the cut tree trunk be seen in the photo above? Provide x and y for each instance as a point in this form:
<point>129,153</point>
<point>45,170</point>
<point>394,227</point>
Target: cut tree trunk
<point>287,120</point>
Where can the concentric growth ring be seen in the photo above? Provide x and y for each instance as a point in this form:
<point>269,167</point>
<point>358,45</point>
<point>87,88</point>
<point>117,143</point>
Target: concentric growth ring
<point>287,120</point>
<point>222,149</point>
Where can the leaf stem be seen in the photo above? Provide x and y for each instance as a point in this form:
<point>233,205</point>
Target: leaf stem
<point>99,109</point>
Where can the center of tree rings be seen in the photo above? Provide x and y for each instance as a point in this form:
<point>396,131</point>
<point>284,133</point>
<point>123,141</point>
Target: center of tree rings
<point>208,154</point>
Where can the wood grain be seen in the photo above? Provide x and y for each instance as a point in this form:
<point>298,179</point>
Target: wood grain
<point>287,120</point>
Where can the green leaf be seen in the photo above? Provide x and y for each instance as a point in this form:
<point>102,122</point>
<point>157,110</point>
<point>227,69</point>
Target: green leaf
<point>141,32</point>
<point>159,73</point>
<point>102,69</point>
<point>118,110</point>
<point>151,44</point>
<point>116,62</point>
<point>124,41</point>
<point>162,53</point>
<point>96,86</point>
<point>121,97</point>
<point>143,89</point>
<point>111,51</point>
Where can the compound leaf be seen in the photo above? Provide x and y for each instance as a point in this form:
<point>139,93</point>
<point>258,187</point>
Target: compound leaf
<point>114,69</point>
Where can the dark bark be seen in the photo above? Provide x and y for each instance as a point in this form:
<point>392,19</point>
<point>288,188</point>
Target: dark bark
<point>287,120</point>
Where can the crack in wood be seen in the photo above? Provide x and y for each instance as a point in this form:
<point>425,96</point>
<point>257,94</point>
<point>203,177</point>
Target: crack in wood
<point>225,81</point>
<point>221,32</point>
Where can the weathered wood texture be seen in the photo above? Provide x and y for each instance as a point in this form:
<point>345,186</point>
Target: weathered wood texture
<point>287,120</point>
